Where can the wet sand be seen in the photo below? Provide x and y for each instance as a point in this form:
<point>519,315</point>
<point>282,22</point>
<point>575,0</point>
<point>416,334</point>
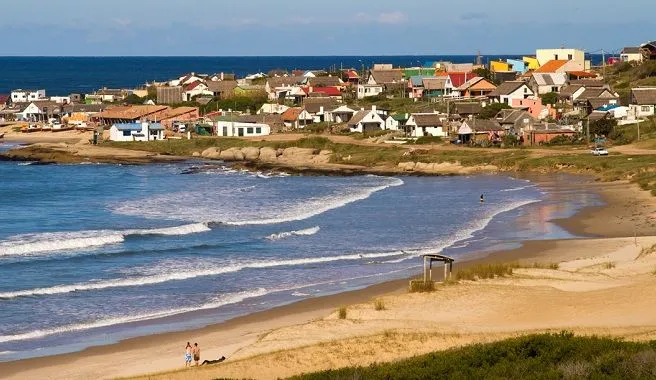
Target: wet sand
<point>253,343</point>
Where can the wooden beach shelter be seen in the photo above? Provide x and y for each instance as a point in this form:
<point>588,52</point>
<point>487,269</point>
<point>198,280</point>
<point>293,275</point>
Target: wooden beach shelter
<point>428,265</point>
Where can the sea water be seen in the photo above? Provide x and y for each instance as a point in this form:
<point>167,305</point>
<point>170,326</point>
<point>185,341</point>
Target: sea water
<point>91,254</point>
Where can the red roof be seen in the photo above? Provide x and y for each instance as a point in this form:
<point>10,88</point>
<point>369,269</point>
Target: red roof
<point>330,91</point>
<point>459,78</point>
<point>351,74</point>
<point>4,99</point>
<point>582,74</point>
<point>192,85</point>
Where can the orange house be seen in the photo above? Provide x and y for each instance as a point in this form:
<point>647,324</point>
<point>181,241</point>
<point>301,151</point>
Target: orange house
<point>477,86</point>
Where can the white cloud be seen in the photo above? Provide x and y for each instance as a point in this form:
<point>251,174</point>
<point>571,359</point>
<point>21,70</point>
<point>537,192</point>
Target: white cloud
<point>395,17</point>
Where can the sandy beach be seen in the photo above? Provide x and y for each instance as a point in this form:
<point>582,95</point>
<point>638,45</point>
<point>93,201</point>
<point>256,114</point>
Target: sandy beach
<point>593,291</point>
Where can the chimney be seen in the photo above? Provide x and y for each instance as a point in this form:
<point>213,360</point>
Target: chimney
<point>221,75</point>
<point>321,109</point>
<point>373,108</point>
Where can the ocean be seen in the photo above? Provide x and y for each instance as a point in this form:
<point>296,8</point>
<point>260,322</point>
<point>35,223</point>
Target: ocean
<point>66,75</point>
<point>92,254</point>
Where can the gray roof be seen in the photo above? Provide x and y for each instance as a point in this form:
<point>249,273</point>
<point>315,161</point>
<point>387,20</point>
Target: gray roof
<point>323,81</point>
<point>222,86</point>
<point>284,81</point>
<point>468,108</point>
<point>550,79</point>
<point>88,108</point>
<point>387,76</point>
<point>358,116</point>
<point>484,125</point>
<point>631,50</point>
<point>507,88</point>
<point>595,92</point>
<point>437,83</point>
<point>427,119</point>
<point>512,116</point>
<point>313,105</point>
<point>644,96</point>
<point>569,90</point>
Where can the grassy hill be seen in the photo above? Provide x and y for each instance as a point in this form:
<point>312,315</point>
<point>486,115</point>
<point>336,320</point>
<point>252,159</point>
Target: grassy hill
<point>559,356</point>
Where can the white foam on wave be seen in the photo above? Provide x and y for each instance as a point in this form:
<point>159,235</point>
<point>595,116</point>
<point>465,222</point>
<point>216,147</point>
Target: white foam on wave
<point>467,232</point>
<point>186,275</point>
<point>216,303</point>
<point>318,206</point>
<point>29,244</point>
<point>518,188</point>
<point>283,235</point>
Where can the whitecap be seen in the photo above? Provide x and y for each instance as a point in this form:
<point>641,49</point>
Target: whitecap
<point>283,235</point>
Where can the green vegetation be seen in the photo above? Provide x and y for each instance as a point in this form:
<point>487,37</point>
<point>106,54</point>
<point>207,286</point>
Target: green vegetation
<point>646,251</point>
<point>421,286</point>
<point>485,271</point>
<point>341,313</point>
<point>552,266</point>
<point>602,127</point>
<point>566,140</point>
<point>491,111</point>
<point>379,304</point>
<point>546,356</point>
<point>549,98</point>
<point>627,134</point>
<point>429,140</point>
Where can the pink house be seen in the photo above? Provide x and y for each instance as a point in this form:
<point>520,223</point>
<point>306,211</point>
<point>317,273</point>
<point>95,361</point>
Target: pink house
<point>535,108</point>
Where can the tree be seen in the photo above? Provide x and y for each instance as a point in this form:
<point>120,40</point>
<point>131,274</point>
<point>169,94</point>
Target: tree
<point>549,98</point>
<point>492,110</point>
<point>602,127</point>
<point>484,73</point>
<point>133,99</point>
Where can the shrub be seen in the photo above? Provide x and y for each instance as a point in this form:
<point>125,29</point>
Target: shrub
<point>485,271</point>
<point>379,305</point>
<point>552,266</point>
<point>549,98</point>
<point>421,286</point>
<point>492,110</point>
<point>608,265</point>
<point>342,312</point>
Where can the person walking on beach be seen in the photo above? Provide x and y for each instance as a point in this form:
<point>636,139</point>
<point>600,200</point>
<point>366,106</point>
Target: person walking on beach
<point>188,351</point>
<point>196,352</point>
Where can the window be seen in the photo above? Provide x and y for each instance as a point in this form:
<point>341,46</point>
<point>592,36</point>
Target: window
<point>258,130</point>
<point>525,90</point>
<point>153,133</point>
<point>249,130</point>
<point>556,57</point>
<point>554,89</point>
<point>225,131</point>
<point>126,133</point>
<point>569,57</point>
<point>645,109</point>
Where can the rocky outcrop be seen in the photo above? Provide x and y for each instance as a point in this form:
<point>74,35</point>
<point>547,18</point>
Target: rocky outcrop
<point>212,153</point>
<point>268,154</point>
<point>445,168</point>
<point>251,153</point>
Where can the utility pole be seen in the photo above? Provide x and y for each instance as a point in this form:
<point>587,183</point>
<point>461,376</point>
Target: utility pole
<point>638,123</point>
<point>603,62</point>
<point>587,131</point>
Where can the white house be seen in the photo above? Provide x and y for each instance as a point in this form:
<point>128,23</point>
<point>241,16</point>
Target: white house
<point>367,90</point>
<point>195,89</point>
<point>341,114</point>
<point>508,91</point>
<point>238,129</point>
<point>367,121</point>
<point>391,123</point>
<point>143,131</point>
<point>41,110</point>
<point>543,83</point>
<point>185,80</point>
<point>631,54</point>
<point>61,99</point>
<point>643,102</point>
<point>24,96</point>
<point>427,124</point>
<point>272,108</point>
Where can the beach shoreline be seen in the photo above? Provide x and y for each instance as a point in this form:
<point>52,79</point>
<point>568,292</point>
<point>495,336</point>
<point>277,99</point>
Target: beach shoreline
<point>238,333</point>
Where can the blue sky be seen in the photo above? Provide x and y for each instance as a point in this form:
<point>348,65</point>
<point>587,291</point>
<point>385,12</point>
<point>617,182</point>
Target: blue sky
<point>337,27</point>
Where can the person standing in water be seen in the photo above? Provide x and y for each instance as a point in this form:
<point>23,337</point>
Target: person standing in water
<point>187,356</point>
<point>482,198</point>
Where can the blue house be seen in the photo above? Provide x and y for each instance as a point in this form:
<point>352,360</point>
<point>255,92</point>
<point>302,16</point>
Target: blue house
<point>518,65</point>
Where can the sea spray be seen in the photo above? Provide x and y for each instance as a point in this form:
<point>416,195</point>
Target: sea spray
<point>283,235</point>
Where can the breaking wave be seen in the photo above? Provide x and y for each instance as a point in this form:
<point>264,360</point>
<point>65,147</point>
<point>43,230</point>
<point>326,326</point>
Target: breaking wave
<point>59,241</point>
<point>517,188</point>
<point>185,275</point>
<point>216,303</point>
<point>283,235</point>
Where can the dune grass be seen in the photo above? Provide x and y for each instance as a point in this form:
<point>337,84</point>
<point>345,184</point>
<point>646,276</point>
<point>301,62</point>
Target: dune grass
<point>421,286</point>
<point>342,312</point>
<point>379,305</point>
<point>552,266</point>
<point>485,271</point>
<point>545,356</point>
<point>608,265</point>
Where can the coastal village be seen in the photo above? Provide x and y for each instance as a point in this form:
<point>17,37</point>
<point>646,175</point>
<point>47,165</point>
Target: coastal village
<point>553,96</point>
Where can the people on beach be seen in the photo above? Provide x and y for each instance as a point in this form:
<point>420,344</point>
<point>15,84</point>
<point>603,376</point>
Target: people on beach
<point>187,356</point>
<point>219,360</point>
<point>196,353</point>
<point>482,198</point>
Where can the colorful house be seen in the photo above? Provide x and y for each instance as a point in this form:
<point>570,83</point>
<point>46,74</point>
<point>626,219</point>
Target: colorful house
<point>517,65</point>
<point>499,66</point>
<point>531,63</point>
<point>477,86</point>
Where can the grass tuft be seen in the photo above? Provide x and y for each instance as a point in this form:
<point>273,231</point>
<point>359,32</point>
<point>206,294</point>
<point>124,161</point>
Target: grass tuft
<point>342,312</point>
<point>647,251</point>
<point>379,304</point>
<point>421,286</point>
<point>552,266</point>
<point>608,265</point>
<point>485,271</point>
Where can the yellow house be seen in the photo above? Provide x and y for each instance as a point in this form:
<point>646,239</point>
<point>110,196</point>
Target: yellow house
<point>140,93</point>
<point>499,66</point>
<point>531,63</point>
